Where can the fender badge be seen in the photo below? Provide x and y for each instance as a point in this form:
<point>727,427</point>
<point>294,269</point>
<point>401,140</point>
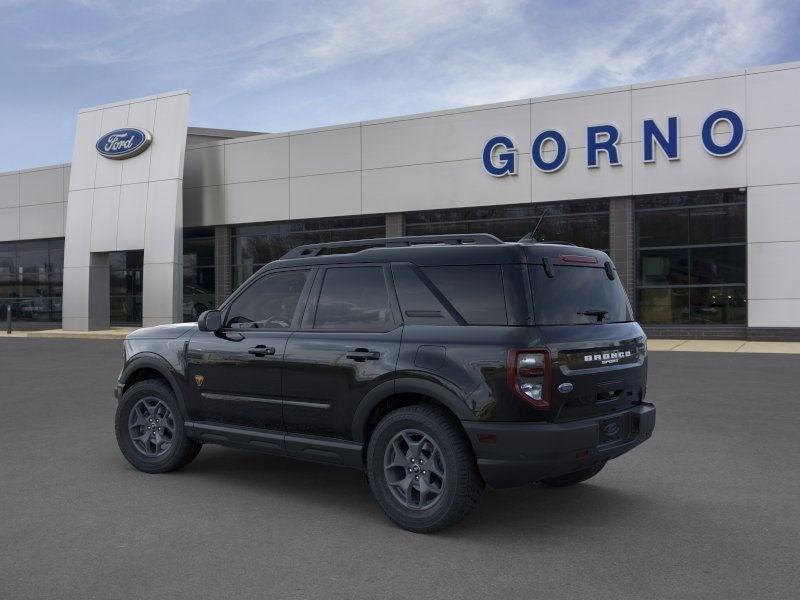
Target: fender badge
<point>199,379</point>
<point>565,388</point>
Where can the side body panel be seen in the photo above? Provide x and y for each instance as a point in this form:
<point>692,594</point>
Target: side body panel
<point>323,387</point>
<point>230,385</point>
<point>470,363</point>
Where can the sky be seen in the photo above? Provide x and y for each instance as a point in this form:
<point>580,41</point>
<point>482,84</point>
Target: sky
<point>284,65</point>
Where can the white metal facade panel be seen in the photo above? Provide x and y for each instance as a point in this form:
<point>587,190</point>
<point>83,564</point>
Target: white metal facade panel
<point>259,160</point>
<point>443,138</point>
<point>43,186</point>
<point>32,203</point>
<point>9,223</point>
<point>9,190</point>
<point>325,151</point>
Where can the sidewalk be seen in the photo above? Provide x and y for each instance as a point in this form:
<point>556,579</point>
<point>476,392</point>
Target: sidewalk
<point>722,346</point>
<point>115,333</point>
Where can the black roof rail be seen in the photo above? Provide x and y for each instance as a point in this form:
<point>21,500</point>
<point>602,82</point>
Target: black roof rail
<point>452,239</point>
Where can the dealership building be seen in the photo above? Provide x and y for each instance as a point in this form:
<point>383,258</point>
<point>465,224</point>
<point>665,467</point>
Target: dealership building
<point>692,186</point>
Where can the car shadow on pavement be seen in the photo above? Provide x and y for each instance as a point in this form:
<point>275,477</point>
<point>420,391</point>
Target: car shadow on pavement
<point>514,512</point>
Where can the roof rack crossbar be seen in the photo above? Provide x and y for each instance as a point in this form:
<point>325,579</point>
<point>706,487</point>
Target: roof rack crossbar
<point>478,239</point>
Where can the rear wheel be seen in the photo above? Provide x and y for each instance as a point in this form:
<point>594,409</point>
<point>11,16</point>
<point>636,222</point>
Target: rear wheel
<point>149,428</point>
<point>575,477</point>
<point>422,470</point>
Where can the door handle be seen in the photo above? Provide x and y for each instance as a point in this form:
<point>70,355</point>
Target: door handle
<point>362,354</point>
<point>261,350</point>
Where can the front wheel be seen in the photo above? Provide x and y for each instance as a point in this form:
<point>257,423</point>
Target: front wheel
<point>149,428</point>
<point>422,470</point>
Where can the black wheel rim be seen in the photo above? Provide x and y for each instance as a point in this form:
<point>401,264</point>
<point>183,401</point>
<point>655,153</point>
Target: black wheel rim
<point>414,469</point>
<point>151,427</point>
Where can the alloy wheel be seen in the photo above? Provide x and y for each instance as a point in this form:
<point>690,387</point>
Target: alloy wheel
<point>151,427</point>
<point>414,469</point>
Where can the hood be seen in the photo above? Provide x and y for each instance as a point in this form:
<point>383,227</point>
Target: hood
<point>163,332</point>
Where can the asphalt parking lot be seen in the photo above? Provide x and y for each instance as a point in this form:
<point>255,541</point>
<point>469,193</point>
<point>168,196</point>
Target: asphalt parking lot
<point>709,508</point>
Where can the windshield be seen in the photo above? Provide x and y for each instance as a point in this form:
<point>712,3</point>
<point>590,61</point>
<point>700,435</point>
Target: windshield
<point>578,296</point>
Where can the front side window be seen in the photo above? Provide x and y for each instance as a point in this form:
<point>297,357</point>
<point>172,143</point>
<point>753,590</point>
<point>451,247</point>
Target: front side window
<point>269,303</point>
<point>354,299</point>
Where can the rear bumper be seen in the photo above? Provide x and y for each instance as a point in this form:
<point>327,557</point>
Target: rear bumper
<point>527,452</point>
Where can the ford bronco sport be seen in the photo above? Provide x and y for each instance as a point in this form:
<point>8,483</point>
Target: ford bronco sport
<point>435,364</point>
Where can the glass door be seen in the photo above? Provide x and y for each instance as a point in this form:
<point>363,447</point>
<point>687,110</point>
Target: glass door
<point>126,287</point>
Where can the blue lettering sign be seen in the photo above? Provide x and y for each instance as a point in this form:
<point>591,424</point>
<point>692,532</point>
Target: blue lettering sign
<point>507,157</point>
<point>707,134</point>
<point>602,138</point>
<point>652,135</point>
<point>500,152</point>
<point>561,151</point>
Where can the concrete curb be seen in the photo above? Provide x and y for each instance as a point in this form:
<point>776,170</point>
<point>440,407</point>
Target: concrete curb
<point>723,346</point>
<point>115,333</point>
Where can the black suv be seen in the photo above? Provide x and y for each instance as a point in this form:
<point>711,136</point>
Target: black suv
<point>435,364</point>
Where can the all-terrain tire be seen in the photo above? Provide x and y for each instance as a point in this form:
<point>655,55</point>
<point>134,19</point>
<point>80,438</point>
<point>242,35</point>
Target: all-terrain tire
<point>574,477</point>
<point>460,487</point>
<point>179,451</point>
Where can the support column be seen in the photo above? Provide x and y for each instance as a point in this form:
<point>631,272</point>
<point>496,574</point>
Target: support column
<point>395,225</point>
<point>99,292</point>
<point>222,264</point>
<point>87,301</point>
<point>621,243</point>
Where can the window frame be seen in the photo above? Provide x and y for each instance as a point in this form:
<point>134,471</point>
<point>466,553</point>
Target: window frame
<point>310,313</point>
<point>252,280</point>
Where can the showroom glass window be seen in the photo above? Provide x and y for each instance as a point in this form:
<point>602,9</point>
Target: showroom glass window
<point>691,258</point>
<point>584,223</point>
<point>125,270</point>
<point>198,272</point>
<point>253,246</point>
<point>31,277</point>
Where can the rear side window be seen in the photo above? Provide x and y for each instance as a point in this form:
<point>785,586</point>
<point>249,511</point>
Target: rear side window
<point>475,291</point>
<point>577,296</point>
<point>419,304</point>
<point>354,299</point>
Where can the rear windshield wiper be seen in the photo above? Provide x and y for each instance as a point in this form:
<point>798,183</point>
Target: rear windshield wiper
<point>594,312</point>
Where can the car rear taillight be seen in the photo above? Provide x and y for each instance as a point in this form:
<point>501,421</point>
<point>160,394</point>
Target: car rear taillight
<point>528,374</point>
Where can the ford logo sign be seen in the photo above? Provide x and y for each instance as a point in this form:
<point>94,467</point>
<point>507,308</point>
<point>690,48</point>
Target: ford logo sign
<point>565,388</point>
<point>123,143</point>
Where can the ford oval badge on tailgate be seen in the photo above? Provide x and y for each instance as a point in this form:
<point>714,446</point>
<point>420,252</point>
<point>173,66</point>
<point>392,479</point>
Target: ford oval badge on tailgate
<point>565,388</point>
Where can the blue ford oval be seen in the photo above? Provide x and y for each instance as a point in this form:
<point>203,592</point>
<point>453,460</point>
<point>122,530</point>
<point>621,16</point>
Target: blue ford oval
<point>123,143</point>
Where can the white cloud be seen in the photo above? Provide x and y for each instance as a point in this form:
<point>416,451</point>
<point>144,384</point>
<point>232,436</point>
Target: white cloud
<point>324,39</point>
<point>674,40</point>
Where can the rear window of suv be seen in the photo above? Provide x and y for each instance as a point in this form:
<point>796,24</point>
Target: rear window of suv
<point>577,296</point>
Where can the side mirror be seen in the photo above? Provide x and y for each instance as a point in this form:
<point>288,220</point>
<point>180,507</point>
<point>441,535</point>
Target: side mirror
<point>210,320</point>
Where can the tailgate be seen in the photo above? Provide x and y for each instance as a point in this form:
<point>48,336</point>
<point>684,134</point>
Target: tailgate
<point>596,369</point>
